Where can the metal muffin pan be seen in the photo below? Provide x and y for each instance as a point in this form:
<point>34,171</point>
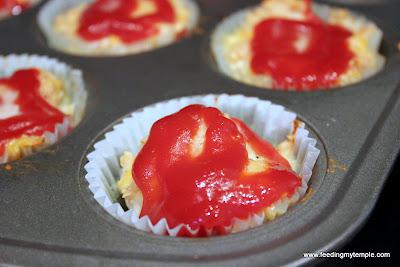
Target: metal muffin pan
<point>49,217</point>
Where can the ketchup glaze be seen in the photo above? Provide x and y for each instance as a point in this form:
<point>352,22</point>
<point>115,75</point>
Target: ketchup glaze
<point>114,17</point>
<point>300,54</point>
<point>36,115</point>
<point>207,189</point>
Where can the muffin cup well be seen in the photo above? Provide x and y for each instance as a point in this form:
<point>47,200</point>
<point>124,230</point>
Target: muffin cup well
<point>76,46</point>
<point>236,20</point>
<point>73,85</point>
<point>270,121</point>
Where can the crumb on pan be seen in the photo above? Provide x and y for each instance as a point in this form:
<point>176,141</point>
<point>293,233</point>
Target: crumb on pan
<point>8,167</point>
<point>334,165</point>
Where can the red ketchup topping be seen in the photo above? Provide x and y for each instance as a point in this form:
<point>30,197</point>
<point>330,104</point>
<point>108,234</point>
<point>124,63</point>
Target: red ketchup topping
<point>207,190</point>
<point>13,7</point>
<point>36,114</point>
<point>307,54</point>
<point>114,17</point>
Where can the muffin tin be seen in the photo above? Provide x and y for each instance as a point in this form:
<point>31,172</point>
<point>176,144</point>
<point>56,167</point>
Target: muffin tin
<point>49,217</point>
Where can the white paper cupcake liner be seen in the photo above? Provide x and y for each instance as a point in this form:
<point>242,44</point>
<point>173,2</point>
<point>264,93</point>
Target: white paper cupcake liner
<point>235,21</point>
<point>73,85</point>
<point>78,46</point>
<point>270,121</point>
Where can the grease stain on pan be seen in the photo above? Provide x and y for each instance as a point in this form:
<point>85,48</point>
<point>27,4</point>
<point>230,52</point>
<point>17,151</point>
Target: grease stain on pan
<point>334,166</point>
